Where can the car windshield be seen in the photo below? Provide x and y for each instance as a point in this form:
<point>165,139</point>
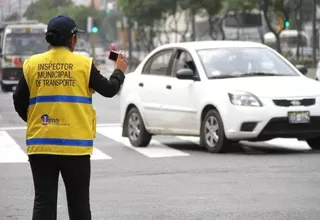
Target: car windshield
<point>243,62</point>
<point>25,44</point>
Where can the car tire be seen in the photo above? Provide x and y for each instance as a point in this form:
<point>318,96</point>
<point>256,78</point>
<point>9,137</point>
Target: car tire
<point>218,142</point>
<point>5,88</point>
<point>314,143</point>
<point>137,133</point>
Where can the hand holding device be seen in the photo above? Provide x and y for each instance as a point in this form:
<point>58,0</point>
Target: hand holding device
<point>119,58</point>
<point>113,55</point>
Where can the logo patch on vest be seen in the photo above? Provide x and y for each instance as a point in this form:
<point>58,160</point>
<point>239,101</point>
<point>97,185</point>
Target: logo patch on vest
<point>45,120</point>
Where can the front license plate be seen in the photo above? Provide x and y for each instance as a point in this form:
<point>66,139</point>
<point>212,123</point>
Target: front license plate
<point>14,88</point>
<point>299,117</point>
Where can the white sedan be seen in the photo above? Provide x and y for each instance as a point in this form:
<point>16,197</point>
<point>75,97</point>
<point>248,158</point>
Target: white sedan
<point>222,91</point>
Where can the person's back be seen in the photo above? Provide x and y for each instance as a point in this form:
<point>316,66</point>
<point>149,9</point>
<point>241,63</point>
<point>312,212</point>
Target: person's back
<point>61,98</point>
<point>54,97</point>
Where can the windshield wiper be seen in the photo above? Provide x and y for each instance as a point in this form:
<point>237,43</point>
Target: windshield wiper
<point>259,74</point>
<point>223,76</point>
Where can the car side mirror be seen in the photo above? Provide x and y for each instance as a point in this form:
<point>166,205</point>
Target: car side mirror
<point>185,74</point>
<point>303,69</point>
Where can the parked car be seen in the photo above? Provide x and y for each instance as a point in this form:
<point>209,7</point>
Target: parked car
<point>222,91</point>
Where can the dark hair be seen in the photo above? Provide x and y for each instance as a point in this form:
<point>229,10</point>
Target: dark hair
<point>54,40</point>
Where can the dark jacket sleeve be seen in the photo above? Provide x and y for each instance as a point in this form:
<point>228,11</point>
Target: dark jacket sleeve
<point>21,99</point>
<point>103,86</point>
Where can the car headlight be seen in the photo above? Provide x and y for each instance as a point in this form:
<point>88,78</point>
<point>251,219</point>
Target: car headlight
<point>244,99</point>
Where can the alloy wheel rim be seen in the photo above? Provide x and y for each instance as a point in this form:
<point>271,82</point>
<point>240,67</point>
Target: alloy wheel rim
<point>134,126</point>
<point>211,132</point>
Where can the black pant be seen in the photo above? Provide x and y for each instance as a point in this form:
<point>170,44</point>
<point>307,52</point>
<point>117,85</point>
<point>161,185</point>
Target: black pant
<point>75,172</point>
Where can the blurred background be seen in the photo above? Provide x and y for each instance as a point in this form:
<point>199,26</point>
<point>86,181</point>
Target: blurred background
<point>138,26</point>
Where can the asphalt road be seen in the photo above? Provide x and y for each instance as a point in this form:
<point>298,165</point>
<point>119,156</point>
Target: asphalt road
<point>173,179</point>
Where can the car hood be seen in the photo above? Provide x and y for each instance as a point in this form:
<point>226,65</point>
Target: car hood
<point>271,86</point>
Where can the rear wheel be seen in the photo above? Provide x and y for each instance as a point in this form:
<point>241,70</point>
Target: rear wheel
<point>137,133</point>
<point>212,135</point>
<point>314,143</point>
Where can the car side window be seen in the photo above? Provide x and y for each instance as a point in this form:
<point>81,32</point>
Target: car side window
<point>146,68</point>
<point>183,60</point>
<point>159,63</point>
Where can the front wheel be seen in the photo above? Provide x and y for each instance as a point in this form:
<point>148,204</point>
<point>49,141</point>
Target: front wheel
<point>212,135</point>
<point>137,133</point>
<point>314,143</point>
<point>5,88</point>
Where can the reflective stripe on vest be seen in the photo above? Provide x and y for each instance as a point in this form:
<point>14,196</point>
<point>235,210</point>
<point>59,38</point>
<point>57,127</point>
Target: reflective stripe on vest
<point>61,120</point>
<point>61,142</point>
<point>60,98</point>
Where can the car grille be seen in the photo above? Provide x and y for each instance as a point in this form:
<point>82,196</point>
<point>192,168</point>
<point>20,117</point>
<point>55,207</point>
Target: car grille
<point>12,73</point>
<point>301,102</point>
<point>280,127</point>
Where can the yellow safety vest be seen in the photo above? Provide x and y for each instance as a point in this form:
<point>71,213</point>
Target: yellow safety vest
<point>61,119</point>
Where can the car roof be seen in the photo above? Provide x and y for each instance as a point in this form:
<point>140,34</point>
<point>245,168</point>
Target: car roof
<point>27,25</point>
<point>197,45</point>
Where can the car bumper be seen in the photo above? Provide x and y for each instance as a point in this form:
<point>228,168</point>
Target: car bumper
<point>269,121</point>
<point>10,82</point>
<point>11,76</point>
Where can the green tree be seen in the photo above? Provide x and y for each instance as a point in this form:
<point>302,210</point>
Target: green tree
<point>240,5</point>
<point>43,10</point>
<point>272,9</point>
<point>147,13</point>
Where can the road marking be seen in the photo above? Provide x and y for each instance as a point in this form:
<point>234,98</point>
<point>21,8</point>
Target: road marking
<point>10,151</point>
<point>24,127</point>
<point>289,143</point>
<point>154,150</point>
<point>195,140</point>
<point>99,155</point>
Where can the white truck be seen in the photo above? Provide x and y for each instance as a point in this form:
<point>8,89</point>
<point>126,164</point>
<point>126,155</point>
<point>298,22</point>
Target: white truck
<point>18,41</point>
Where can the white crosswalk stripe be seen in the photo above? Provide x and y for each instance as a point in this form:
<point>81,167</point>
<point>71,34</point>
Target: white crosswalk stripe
<point>12,149</point>
<point>154,150</point>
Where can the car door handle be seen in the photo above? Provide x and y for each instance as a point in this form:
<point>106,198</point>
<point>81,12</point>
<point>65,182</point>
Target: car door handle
<point>141,84</point>
<point>168,87</point>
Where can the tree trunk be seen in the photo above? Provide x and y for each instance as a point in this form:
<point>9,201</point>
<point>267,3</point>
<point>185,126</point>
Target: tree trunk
<point>273,30</point>
<point>299,24</point>
<point>278,43</point>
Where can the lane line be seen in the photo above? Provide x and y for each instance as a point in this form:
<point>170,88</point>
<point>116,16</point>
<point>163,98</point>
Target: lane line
<point>24,127</point>
<point>10,151</point>
<point>99,155</point>
<point>290,142</point>
<point>154,150</point>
